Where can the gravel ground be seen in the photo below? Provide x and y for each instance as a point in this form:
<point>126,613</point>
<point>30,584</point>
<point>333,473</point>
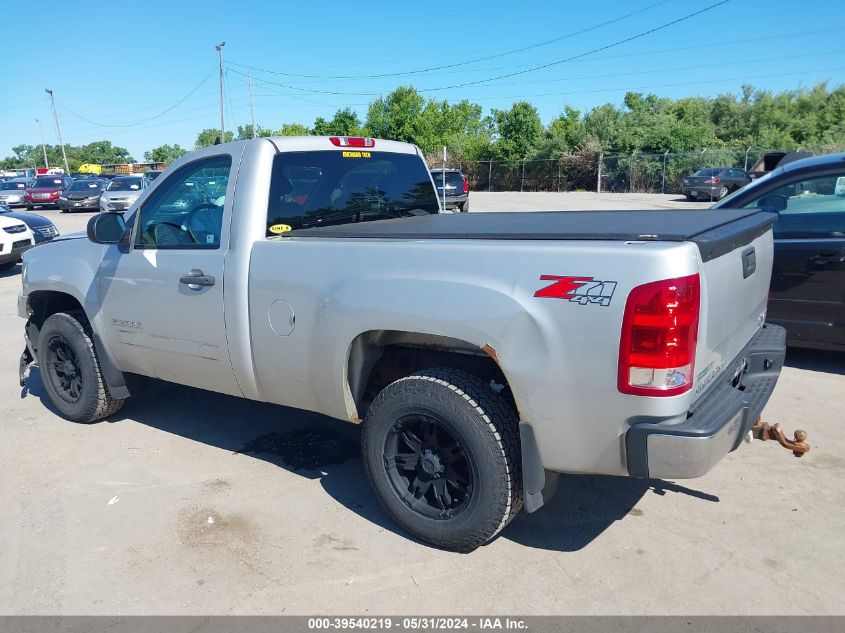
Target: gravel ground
<point>189,502</point>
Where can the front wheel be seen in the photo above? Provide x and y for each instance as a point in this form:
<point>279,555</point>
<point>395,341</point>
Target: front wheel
<point>71,371</point>
<point>441,450</point>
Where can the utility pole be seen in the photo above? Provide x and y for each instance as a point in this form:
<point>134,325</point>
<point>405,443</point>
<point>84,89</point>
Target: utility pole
<point>43,147</point>
<point>251,106</point>
<point>58,129</point>
<point>219,49</point>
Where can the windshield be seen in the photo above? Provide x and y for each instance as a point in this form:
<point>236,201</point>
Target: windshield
<point>324,188</point>
<point>48,183</point>
<point>86,185</point>
<point>124,184</point>
<point>10,186</point>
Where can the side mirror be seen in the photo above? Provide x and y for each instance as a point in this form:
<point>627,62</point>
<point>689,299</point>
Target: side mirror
<point>773,202</point>
<point>106,228</point>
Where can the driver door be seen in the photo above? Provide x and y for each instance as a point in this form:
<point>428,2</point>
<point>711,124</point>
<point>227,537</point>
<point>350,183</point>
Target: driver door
<point>162,299</point>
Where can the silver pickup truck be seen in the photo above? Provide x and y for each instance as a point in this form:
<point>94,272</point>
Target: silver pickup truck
<point>482,354</point>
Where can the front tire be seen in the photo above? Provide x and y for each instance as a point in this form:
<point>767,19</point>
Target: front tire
<point>441,450</point>
<point>71,371</point>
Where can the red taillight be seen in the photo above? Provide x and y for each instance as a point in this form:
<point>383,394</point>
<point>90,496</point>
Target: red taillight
<point>715,180</point>
<point>352,141</point>
<point>659,335</point>
<point>466,187</point>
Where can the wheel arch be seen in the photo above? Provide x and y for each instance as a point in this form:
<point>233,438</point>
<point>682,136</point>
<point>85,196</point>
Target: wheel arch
<point>378,357</point>
<point>42,304</point>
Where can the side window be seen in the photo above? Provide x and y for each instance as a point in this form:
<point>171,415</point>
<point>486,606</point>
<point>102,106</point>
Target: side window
<point>186,211</point>
<point>810,208</point>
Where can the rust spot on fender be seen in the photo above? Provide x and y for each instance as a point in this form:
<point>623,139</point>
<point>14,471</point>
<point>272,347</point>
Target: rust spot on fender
<point>491,352</point>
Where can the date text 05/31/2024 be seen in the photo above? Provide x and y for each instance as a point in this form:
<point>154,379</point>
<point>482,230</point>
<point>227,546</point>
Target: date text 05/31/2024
<point>418,623</point>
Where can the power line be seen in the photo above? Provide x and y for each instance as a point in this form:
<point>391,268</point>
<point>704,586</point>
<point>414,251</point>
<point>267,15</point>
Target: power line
<point>668,85</point>
<point>152,118</point>
<point>508,75</point>
<point>666,70</point>
<point>585,54</point>
<point>708,45</point>
<point>466,62</point>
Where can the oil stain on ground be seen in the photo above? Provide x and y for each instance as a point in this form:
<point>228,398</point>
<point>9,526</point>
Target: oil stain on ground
<point>304,449</point>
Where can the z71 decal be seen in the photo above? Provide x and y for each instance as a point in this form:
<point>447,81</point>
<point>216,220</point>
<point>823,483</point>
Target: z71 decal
<point>581,290</point>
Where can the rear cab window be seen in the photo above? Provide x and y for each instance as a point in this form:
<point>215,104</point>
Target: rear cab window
<point>453,178</point>
<point>325,188</point>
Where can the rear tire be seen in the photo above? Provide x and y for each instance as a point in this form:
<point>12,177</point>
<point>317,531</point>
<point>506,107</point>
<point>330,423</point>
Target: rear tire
<point>7,266</point>
<point>465,206</point>
<point>441,450</point>
<point>691,198</point>
<point>71,371</point>
<point>724,191</point>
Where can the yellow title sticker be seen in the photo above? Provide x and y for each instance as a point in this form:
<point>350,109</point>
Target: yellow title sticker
<point>357,155</point>
<point>280,228</point>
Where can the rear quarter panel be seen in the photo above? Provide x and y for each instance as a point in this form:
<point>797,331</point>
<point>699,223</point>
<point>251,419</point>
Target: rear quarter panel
<point>559,356</point>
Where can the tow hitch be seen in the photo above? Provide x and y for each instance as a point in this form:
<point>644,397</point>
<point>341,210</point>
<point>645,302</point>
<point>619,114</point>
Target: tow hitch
<point>765,431</point>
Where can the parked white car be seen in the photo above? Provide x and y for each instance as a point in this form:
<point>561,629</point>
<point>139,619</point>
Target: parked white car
<point>15,238</point>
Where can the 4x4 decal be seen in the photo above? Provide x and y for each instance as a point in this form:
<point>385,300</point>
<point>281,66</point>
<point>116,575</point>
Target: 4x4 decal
<point>581,290</point>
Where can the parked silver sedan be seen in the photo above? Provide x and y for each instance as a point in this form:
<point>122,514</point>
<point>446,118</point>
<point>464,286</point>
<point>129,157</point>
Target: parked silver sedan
<point>12,193</point>
<point>122,191</point>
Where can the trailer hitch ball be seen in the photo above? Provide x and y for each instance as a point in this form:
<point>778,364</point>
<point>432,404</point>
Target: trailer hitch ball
<point>765,431</point>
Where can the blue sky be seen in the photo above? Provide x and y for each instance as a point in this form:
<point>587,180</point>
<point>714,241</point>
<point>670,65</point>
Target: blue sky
<point>116,70</point>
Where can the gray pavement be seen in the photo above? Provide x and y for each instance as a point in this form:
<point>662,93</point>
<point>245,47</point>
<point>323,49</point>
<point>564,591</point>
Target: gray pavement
<point>189,502</point>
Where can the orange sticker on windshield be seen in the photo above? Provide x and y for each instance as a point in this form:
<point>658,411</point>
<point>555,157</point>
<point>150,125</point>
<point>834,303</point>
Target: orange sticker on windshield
<point>357,155</point>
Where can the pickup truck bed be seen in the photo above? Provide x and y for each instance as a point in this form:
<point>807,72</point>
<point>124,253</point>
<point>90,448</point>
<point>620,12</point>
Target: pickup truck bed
<point>701,228</point>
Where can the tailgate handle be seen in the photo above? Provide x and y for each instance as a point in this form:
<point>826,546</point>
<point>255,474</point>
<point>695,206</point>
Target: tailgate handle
<point>749,262</point>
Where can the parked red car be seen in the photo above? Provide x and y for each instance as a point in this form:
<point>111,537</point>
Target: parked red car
<point>45,191</point>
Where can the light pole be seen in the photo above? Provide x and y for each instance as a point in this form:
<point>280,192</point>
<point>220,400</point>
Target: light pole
<point>58,129</point>
<point>219,49</point>
<point>43,147</point>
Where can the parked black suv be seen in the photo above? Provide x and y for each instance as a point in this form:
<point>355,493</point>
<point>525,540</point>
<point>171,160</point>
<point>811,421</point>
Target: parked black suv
<point>807,294</point>
<point>457,188</point>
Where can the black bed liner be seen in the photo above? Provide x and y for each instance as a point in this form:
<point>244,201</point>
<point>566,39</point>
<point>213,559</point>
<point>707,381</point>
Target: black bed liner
<point>715,231</point>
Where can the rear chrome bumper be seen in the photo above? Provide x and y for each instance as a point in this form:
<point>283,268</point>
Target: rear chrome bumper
<point>719,419</point>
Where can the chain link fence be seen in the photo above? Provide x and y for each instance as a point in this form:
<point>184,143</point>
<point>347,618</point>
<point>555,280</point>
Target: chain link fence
<point>618,173</point>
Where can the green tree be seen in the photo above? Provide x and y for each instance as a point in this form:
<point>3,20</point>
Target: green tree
<point>519,131</point>
<point>292,129</point>
<point>245,132</point>
<point>209,137</point>
<point>344,123</point>
<point>165,154</point>
<point>396,116</point>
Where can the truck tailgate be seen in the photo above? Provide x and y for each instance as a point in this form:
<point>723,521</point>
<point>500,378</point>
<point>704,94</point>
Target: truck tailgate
<point>735,274</point>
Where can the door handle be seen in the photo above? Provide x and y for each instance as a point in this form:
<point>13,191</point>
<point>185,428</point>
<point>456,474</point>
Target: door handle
<point>828,257</point>
<point>196,278</point>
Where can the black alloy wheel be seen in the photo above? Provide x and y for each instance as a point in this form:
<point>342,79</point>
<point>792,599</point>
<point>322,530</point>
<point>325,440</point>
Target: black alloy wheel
<point>63,369</point>
<point>428,468</point>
